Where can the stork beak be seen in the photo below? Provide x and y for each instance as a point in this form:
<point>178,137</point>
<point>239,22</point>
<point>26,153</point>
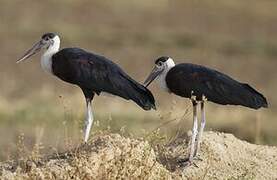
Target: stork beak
<point>153,75</point>
<point>36,48</point>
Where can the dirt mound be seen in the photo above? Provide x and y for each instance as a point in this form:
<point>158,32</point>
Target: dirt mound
<point>112,156</point>
<point>223,156</point>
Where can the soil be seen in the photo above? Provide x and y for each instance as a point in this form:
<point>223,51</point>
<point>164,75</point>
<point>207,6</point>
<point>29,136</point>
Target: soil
<point>112,156</point>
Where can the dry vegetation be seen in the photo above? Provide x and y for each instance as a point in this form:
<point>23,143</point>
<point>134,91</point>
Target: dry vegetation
<point>38,111</point>
<point>111,156</point>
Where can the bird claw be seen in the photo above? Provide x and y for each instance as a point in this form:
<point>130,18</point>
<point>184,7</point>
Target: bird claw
<point>185,162</point>
<point>198,158</point>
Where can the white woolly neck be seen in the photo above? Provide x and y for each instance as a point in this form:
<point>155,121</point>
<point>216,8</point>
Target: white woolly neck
<point>46,58</point>
<point>161,78</point>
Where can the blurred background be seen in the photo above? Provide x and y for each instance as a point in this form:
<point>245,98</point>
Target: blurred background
<point>236,37</point>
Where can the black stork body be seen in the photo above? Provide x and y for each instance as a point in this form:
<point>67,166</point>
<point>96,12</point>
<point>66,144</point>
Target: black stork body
<point>92,73</point>
<point>200,83</point>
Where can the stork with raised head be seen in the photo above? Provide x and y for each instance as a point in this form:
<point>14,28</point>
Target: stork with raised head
<point>91,72</point>
<point>201,83</point>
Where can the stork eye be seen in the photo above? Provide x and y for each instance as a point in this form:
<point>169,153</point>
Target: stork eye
<point>160,64</point>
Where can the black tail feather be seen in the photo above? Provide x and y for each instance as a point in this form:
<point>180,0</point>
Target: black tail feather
<point>256,99</point>
<point>140,94</point>
<point>143,97</point>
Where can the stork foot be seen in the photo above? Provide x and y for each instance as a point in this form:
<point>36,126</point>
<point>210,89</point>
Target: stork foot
<point>185,162</point>
<point>197,158</point>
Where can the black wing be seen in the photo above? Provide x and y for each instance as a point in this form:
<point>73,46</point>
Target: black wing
<point>190,79</point>
<point>96,74</point>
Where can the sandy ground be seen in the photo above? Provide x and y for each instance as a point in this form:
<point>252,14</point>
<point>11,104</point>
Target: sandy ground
<point>111,156</point>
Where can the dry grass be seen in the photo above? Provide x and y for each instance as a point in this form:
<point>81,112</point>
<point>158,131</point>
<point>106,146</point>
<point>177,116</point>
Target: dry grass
<point>111,156</point>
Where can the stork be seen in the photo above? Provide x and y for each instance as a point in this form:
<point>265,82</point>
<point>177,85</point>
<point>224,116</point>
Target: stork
<point>91,72</point>
<point>201,83</point>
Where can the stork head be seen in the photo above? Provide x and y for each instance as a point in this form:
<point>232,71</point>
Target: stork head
<point>162,66</point>
<point>49,42</point>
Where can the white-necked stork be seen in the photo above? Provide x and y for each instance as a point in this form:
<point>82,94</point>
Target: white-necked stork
<point>200,83</point>
<point>91,72</point>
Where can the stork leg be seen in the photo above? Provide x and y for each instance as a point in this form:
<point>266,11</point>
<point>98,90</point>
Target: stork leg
<point>89,115</point>
<point>88,120</point>
<point>194,131</point>
<point>201,129</point>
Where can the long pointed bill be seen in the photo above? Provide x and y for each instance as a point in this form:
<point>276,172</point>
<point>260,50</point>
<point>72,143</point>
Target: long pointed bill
<point>153,75</point>
<point>36,48</point>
